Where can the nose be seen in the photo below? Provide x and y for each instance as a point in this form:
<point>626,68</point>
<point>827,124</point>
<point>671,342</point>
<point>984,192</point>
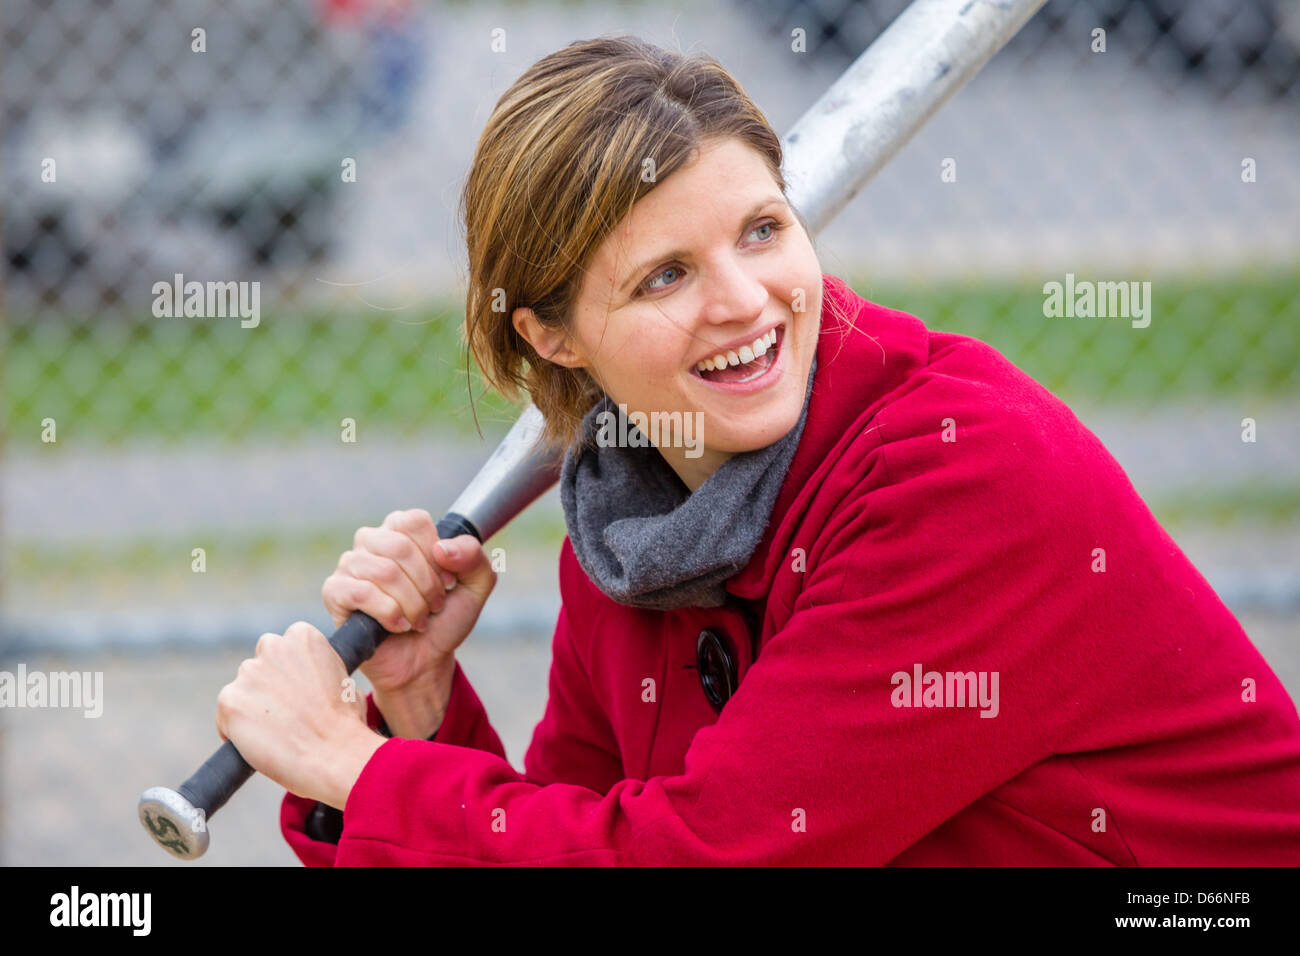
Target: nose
<point>734,294</point>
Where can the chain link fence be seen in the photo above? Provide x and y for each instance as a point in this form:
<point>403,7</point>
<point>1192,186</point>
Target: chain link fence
<point>174,484</point>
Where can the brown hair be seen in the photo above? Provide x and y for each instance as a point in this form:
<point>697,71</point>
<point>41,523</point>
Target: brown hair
<point>558,165</point>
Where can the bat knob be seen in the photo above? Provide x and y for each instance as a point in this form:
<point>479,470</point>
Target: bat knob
<point>175,824</point>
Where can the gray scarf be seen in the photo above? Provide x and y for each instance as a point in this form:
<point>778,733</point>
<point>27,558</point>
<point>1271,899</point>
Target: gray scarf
<point>644,538</point>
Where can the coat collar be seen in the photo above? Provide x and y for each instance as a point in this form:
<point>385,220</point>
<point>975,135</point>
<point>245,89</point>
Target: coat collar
<point>856,367</point>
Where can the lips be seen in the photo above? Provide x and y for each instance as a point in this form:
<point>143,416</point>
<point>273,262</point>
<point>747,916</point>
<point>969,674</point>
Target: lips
<point>741,350</point>
<point>744,372</point>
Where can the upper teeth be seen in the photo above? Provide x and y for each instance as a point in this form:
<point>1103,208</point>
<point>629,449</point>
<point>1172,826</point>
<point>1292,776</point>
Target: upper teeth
<point>747,353</point>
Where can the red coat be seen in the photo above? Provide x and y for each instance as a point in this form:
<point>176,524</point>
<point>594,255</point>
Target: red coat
<point>943,513</point>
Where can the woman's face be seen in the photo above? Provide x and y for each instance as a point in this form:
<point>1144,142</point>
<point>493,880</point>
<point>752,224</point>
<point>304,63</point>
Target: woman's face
<point>709,261</point>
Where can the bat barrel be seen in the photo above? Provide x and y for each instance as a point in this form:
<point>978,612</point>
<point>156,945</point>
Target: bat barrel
<point>925,56</point>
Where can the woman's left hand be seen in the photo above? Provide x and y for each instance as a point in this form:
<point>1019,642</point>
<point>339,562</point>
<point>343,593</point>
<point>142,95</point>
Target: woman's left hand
<point>295,715</point>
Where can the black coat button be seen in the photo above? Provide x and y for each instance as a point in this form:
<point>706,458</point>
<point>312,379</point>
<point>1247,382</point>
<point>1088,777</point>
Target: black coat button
<point>717,665</point>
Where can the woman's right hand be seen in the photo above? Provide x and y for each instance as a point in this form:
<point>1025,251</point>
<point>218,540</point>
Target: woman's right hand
<point>399,574</point>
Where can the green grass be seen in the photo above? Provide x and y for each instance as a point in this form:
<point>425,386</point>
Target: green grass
<point>293,374</point>
<point>1236,335</point>
<point>298,373</point>
<point>1269,504</point>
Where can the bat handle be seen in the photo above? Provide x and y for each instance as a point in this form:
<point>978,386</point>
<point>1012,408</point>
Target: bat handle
<point>177,819</point>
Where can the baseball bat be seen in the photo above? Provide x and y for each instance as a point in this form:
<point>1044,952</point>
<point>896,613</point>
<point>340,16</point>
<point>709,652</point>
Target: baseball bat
<point>867,115</point>
<point>518,472</point>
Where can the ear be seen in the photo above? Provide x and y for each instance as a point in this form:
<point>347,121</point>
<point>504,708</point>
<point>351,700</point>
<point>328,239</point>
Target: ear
<point>551,344</point>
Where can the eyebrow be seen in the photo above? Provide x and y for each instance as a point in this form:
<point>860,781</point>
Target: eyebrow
<point>647,264</point>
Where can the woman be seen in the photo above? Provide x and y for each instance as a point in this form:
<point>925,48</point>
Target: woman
<point>897,605</point>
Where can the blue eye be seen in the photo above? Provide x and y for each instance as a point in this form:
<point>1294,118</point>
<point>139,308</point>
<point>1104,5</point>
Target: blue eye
<point>651,287</point>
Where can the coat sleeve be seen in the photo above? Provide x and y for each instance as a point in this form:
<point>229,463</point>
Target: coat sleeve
<point>952,567</point>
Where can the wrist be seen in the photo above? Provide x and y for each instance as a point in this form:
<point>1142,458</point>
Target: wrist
<point>425,682</point>
<point>343,765</point>
<point>416,710</point>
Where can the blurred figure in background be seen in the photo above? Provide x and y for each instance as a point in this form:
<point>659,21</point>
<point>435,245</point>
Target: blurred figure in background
<point>392,33</point>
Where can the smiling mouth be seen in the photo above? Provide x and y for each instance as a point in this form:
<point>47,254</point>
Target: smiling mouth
<point>741,371</point>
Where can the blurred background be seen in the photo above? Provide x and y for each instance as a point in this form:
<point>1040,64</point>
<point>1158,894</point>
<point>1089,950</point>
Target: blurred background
<point>318,148</point>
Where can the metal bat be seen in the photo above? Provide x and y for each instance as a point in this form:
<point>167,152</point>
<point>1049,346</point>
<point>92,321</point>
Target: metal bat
<point>518,473</point>
<point>867,115</point>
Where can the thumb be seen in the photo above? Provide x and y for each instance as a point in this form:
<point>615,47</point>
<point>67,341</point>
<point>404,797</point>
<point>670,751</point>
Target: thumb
<point>464,557</point>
